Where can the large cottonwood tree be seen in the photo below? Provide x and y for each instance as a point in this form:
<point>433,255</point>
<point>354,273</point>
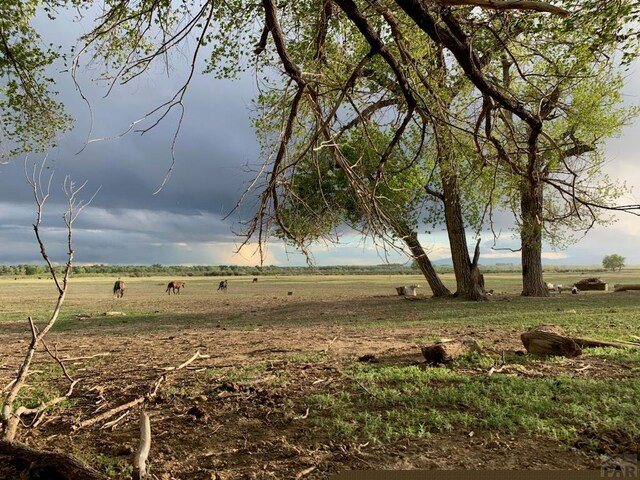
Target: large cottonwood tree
<point>30,116</point>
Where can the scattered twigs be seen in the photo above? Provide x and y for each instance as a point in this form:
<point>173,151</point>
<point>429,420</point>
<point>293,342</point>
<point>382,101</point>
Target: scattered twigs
<point>114,423</point>
<point>304,472</point>
<point>188,362</point>
<point>149,396</point>
<point>140,459</point>
<point>88,357</point>
<point>329,344</point>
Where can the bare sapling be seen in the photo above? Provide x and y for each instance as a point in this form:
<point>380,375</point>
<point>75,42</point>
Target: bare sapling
<point>10,416</point>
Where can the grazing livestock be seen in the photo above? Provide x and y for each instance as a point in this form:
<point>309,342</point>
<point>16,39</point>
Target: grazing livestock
<point>174,287</point>
<point>223,285</point>
<point>118,289</point>
<point>575,290</point>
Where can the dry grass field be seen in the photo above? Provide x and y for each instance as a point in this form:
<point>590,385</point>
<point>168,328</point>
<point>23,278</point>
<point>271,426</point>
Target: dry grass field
<point>283,391</point>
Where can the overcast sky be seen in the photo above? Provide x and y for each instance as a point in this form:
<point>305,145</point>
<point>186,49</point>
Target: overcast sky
<point>215,153</point>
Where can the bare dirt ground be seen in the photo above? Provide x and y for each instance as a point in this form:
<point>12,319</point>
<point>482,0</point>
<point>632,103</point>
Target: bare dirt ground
<point>206,426</point>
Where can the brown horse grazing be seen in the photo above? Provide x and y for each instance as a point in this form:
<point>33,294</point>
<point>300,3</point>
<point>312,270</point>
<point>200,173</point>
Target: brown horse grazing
<point>174,287</point>
<point>118,289</point>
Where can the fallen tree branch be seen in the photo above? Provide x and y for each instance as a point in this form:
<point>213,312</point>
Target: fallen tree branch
<point>111,413</point>
<point>590,342</point>
<point>623,287</point>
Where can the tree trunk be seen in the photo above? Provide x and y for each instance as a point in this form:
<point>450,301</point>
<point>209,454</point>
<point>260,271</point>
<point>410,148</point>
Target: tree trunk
<point>411,240</point>
<point>531,239</point>
<point>467,274</point>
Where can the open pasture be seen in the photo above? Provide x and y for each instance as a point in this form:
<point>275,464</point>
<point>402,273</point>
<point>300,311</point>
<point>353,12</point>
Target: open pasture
<point>282,394</point>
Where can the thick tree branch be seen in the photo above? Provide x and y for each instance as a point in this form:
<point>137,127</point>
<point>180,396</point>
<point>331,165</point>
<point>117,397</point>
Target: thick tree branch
<point>509,5</point>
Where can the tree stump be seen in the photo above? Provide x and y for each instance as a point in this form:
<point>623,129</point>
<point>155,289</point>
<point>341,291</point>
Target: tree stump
<point>592,283</point>
<point>448,350</point>
<point>549,340</point>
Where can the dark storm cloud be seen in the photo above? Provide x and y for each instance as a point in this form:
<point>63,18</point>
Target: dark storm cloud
<point>180,224</point>
<point>126,222</point>
<point>214,142</point>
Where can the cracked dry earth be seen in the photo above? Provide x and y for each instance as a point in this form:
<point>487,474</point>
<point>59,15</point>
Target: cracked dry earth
<point>208,424</point>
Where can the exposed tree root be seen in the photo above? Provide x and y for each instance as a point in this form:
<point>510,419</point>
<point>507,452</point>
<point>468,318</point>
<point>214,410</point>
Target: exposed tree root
<point>47,464</point>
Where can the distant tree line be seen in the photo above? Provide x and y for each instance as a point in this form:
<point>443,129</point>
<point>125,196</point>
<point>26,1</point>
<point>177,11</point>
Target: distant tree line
<point>211,270</point>
<point>255,271</point>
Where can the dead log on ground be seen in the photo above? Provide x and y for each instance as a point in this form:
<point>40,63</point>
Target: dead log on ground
<point>549,340</point>
<point>622,287</point>
<point>448,350</point>
<point>47,464</point>
<point>590,342</point>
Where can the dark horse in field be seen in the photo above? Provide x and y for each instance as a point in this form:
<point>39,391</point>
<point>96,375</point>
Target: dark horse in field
<point>174,287</point>
<point>118,289</point>
<point>223,285</point>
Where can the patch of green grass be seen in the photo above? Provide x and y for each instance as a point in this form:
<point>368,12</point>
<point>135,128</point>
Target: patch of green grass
<point>179,392</point>
<point>246,374</point>
<point>426,339</point>
<point>114,467</point>
<point>629,356</point>
<point>34,396</point>
<point>37,390</point>
<point>307,357</point>
<point>383,404</point>
<point>474,360</point>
